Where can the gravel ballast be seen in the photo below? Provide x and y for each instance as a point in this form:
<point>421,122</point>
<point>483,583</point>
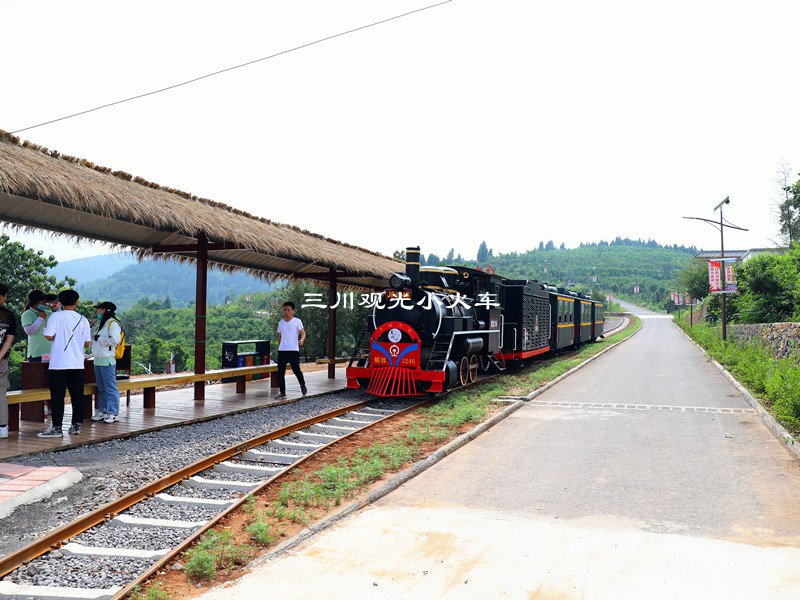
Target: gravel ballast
<point>225,476</point>
<point>80,571</point>
<point>156,509</point>
<point>185,491</point>
<point>114,468</point>
<point>140,538</point>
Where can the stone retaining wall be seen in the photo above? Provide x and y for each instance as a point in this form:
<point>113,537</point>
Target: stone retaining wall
<point>782,338</point>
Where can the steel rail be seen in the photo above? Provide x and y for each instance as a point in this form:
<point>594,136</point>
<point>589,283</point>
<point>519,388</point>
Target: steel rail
<point>185,544</point>
<point>54,539</point>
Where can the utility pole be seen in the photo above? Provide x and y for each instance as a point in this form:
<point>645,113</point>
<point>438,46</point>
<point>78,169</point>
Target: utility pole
<point>722,227</point>
<point>722,266</point>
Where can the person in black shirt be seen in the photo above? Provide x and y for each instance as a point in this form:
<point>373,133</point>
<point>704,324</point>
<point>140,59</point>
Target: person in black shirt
<point>8,331</point>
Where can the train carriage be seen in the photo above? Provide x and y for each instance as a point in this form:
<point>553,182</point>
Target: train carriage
<point>437,327</point>
<point>563,310</point>
<point>584,321</point>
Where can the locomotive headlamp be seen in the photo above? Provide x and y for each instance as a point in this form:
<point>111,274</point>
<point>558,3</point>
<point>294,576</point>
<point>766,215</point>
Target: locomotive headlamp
<point>398,281</point>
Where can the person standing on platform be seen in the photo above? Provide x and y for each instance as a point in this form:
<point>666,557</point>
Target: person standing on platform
<point>106,335</point>
<point>291,336</point>
<point>8,331</point>
<point>33,322</point>
<point>70,333</point>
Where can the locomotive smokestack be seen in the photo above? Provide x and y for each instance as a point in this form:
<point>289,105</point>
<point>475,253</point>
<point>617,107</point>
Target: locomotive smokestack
<point>412,265</point>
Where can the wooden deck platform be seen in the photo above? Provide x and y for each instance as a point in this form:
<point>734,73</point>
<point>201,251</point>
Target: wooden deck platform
<point>174,407</point>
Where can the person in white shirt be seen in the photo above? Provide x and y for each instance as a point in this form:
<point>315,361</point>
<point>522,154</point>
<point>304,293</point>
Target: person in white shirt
<point>291,336</point>
<point>70,333</point>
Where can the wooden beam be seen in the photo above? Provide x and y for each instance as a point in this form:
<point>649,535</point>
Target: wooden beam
<point>326,276</point>
<point>159,248</point>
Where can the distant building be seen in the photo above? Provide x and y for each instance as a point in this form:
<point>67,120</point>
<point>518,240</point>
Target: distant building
<point>739,255</point>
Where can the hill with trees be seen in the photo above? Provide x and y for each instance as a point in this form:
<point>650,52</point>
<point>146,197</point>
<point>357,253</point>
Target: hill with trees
<point>159,279</point>
<point>618,266</point>
<point>91,268</point>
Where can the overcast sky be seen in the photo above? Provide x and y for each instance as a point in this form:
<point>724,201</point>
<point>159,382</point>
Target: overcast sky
<point>509,122</point>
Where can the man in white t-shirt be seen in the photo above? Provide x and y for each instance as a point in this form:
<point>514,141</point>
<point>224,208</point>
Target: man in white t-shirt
<point>291,336</point>
<point>70,333</point>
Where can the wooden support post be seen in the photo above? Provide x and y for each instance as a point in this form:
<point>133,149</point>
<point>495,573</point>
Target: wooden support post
<point>332,325</point>
<point>240,383</point>
<point>88,409</point>
<point>13,417</point>
<point>149,397</point>
<point>33,411</point>
<point>200,316</point>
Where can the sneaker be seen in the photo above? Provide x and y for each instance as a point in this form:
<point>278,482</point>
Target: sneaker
<point>3,431</point>
<point>111,418</point>
<point>99,415</point>
<point>303,389</point>
<point>280,397</point>
<point>74,429</point>
<point>51,432</point>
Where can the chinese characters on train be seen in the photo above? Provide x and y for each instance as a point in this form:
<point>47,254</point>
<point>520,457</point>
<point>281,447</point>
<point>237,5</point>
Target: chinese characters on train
<point>398,300</point>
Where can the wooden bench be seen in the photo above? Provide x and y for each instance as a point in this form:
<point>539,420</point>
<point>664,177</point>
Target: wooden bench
<point>150,383</point>
<point>335,361</point>
<point>147,384</point>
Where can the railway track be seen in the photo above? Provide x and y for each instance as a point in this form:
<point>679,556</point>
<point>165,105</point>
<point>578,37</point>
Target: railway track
<point>105,553</point>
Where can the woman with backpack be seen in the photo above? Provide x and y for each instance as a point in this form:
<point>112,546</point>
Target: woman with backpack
<point>106,336</point>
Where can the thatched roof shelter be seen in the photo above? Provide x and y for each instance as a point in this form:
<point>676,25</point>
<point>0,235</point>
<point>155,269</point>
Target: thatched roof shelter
<point>43,189</point>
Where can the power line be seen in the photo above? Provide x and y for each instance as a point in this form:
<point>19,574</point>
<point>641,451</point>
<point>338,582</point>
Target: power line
<point>206,76</point>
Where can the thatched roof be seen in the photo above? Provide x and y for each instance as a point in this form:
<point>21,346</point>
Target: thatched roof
<point>45,190</point>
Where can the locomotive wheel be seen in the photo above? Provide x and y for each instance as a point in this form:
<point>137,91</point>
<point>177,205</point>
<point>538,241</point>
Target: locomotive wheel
<point>463,371</point>
<point>473,368</point>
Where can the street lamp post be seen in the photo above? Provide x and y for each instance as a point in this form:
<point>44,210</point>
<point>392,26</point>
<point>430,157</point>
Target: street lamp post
<point>722,266</point>
<point>722,227</point>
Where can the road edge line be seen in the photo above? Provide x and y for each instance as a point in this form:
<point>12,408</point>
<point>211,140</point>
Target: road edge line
<point>787,440</point>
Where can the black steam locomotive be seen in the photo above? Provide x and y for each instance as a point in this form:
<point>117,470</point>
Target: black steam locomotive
<point>437,327</point>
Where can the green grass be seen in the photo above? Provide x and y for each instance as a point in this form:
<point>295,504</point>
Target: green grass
<point>214,551</point>
<point>775,381</point>
<point>154,592</point>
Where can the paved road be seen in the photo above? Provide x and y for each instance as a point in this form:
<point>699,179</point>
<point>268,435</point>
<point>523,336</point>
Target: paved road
<point>644,475</point>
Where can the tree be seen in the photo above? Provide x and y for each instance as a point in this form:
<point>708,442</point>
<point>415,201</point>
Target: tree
<point>483,252</point>
<point>541,245</point>
<point>180,356</point>
<point>450,256</point>
<point>789,207</point>
<point>562,246</point>
<point>399,254</point>
<point>769,285</point>
<point>167,302</point>
<point>433,260</point>
<point>155,354</point>
<point>550,245</point>
<point>23,270</point>
<point>694,279</point>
